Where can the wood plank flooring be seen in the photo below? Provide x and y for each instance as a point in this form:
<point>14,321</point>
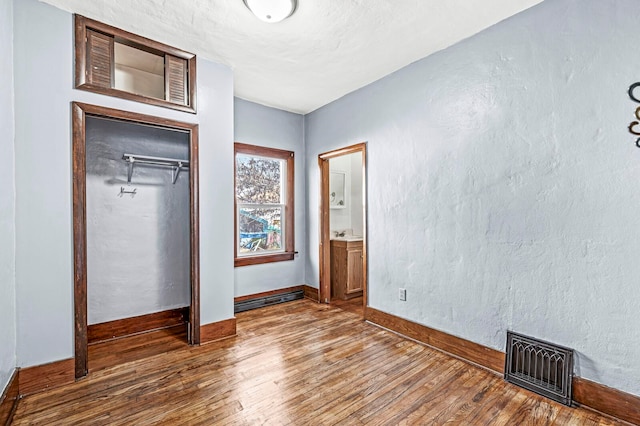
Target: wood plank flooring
<point>351,305</point>
<point>298,363</point>
<point>120,351</point>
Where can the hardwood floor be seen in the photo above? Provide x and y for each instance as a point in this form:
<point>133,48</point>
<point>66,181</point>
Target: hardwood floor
<point>352,305</point>
<point>298,363</point>
<point>117,352</point>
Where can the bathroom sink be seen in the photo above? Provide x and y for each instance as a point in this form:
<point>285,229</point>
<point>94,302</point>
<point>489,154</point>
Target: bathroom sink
<point>348,238</point>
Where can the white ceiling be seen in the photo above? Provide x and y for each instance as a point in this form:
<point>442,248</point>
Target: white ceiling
<point>327,49</point>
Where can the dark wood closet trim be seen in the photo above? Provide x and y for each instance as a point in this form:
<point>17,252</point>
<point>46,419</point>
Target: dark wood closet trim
<point>83,24</point>
<point>135,325</point>
<point>324,292</point>
<point>79,113</point>
<point>9,399</point>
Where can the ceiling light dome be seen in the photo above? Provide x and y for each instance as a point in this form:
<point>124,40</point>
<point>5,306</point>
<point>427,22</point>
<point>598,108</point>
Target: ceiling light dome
<point>271,10</point>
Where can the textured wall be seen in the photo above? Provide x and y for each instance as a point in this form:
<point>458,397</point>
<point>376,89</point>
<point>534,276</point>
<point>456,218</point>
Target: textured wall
<point>44,250</point>
<point>7,199</point>
<point>503,185</point>
<point>138,258</point>
<point>357,195</point>
<point>264,126</point>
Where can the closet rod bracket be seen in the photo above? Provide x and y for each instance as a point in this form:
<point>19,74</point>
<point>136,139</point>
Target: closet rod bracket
<point>130,160</point>
<point>175,171</point>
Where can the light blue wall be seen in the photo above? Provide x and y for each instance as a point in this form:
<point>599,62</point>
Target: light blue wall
<point>7,199</point>
<point>44,250</point>
<point>503,187</point>
<point>264,126</point>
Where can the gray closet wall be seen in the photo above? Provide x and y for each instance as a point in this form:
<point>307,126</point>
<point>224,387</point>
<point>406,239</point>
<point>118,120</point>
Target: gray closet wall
<point>138,257</point>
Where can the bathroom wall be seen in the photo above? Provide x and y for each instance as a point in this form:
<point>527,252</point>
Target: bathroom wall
<point>256,124</point>
<point>7,200</point>
<point>357,195</point>
<point>138,245</point>
<point>44,249</point>
<point>350,217</point>
<point>503,184</point>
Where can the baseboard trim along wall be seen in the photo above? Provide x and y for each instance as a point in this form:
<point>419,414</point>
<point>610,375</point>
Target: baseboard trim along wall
<point>465,349</point>
<point>217,330</point>
<point>9,399</point>
<point>311,293</point>
<point>604,399</point>
<point>47,376</point>
<point>136,325</point>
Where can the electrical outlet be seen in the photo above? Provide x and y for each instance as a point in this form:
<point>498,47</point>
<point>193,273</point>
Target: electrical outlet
<point>402,294</point>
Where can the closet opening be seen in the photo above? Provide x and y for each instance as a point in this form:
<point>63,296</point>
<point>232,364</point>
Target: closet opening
<point>135,222</point>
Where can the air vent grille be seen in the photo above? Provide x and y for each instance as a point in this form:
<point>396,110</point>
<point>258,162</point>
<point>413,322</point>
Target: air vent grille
<point>539,366</point>
<point>261,302</point>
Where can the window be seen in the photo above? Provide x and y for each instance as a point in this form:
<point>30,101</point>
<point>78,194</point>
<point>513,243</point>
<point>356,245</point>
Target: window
<point>117,63</point>
<point>264,205</point>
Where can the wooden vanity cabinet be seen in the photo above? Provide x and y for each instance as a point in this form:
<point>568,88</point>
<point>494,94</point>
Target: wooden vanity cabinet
<point>346,269</point>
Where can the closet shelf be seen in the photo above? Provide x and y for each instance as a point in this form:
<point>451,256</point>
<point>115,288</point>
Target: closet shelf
<point>176,164</point>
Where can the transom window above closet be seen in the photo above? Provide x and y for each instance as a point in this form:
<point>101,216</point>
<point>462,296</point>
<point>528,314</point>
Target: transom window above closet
<point>117,63</point>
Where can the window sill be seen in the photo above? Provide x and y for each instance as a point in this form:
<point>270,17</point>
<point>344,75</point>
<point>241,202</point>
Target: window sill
<point>266,258</point>
<point>110,91</point>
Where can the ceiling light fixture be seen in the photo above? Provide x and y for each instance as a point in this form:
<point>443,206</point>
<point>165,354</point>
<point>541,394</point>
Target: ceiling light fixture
<point>271,11</point>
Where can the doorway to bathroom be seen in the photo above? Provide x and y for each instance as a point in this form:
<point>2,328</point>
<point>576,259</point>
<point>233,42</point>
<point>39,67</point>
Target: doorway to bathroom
<point>135,221</point>
<point>343,226</point>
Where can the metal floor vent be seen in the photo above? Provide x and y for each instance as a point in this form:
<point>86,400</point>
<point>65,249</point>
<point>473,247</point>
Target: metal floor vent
<point>540,367</point>
<point>261,302</point>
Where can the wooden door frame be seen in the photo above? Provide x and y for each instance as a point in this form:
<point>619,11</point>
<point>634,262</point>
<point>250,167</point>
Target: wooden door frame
<point>324,291</point>
<point>79,113</point>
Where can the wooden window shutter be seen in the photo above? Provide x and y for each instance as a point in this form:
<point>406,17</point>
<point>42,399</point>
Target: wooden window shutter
<point>99,59</point>
<point>176,80</point>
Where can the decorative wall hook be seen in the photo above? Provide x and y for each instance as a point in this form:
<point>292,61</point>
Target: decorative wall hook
<point>124,191</point>
<point>631,89</point>
<point>633,124</point>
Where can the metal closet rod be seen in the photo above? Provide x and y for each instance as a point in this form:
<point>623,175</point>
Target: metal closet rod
<point>176,164</point>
